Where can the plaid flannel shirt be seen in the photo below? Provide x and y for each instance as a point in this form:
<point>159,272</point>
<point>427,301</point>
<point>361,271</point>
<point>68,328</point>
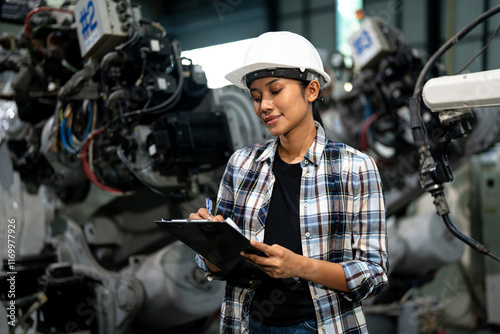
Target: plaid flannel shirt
<point>342,220</point>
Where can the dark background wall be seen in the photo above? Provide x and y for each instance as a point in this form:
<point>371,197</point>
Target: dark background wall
<point>425,24</point>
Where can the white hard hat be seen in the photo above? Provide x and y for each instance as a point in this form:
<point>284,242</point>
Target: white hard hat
<point>280,54</point>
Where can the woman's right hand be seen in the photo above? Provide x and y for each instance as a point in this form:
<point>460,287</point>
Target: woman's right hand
<point>203,214</point>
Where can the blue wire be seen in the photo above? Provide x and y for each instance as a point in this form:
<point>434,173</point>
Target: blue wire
<point>70,138</point>
<point>91,118</point>
<point>64,140</point>
<point>67,137</point>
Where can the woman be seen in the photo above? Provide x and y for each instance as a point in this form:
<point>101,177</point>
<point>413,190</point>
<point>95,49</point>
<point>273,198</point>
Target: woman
<point>315,207</point>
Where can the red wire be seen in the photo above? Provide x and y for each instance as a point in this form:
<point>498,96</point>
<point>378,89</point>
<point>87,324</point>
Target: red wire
<point>83,152</point>
<point>85,165</point>
<point>27,24</point>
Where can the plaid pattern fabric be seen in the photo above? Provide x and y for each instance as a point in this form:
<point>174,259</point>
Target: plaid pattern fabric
<point>342,215</point>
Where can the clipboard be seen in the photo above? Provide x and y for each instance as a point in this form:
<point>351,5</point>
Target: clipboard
<point>217,241</point>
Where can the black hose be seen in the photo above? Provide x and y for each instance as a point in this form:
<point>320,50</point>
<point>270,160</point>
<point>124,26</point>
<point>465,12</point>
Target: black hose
<point>453,40</point>
<point>126,163</point>
<point>467,240</point>
<point>169,103</point>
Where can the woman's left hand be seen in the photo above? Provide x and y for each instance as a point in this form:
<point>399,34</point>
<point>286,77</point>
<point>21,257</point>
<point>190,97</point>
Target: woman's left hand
<point>280,263</point>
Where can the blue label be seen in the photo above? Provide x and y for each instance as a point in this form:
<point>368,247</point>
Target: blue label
<point>87,19</point>
<point>362,42</point>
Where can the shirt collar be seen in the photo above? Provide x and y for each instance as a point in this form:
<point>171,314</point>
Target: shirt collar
<point>313,154</point>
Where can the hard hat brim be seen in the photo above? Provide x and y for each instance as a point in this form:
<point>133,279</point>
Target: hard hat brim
<point>237,77</point>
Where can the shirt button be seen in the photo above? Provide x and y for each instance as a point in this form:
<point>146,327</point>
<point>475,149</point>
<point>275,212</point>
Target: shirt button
<point>307,175</point>
<point>324,326</point>
<point>306,205</point>
<point>316,297</point>
<point>307,161</point>
<point>308,234</point>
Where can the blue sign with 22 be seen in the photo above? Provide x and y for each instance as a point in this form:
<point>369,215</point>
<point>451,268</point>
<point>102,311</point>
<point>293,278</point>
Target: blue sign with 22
<point>362,42</point>
<point>87,19</point>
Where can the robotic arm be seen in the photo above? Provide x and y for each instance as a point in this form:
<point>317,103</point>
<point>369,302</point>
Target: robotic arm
<point>452,97</point>
<point>462,92</point>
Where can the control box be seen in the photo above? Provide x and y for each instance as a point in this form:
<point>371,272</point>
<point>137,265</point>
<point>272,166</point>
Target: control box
<point>369,44</point>
<point>103,24</point>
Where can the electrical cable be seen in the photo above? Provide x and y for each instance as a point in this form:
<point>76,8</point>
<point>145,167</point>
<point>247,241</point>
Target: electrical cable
<point>126,163</point>
<point>466,239</point>
<point>88,172</point>
<point>135,37</point>
<point>66,132</point>
<point>62,131</point>
<point>420,133</point>
<point>67,146</point>
<point>163,106</point>
<point>158,26</point>
<point>68,66</point>
<point>88,167</point>
<point>70,132</point>
<point>135,33</point>
<point>143,69</point>
<point>177,93</point>
<point>146,165</point>
<point>480,52</point>
<point>91,147</point>
<point>451,42</point>
<point>90,116</point>
<point>27,27</point>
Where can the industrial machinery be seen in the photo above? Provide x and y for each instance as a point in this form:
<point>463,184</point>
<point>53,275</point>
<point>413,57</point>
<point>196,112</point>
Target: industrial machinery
<point>105,128</point>
<point>416,150</point>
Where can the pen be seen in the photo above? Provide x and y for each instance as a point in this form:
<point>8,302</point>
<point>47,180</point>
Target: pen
<point>208,204</point>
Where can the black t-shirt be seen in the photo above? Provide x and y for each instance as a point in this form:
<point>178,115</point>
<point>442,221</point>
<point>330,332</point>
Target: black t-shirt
<point>283,302</point>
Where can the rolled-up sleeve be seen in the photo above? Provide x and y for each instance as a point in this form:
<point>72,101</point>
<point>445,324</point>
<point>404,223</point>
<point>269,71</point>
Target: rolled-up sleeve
<point>366,273</point>
<point>208,274</point>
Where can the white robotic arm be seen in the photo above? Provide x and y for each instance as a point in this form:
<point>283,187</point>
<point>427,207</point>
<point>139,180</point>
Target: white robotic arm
<point>453,97</point>
<point>463,91</point>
